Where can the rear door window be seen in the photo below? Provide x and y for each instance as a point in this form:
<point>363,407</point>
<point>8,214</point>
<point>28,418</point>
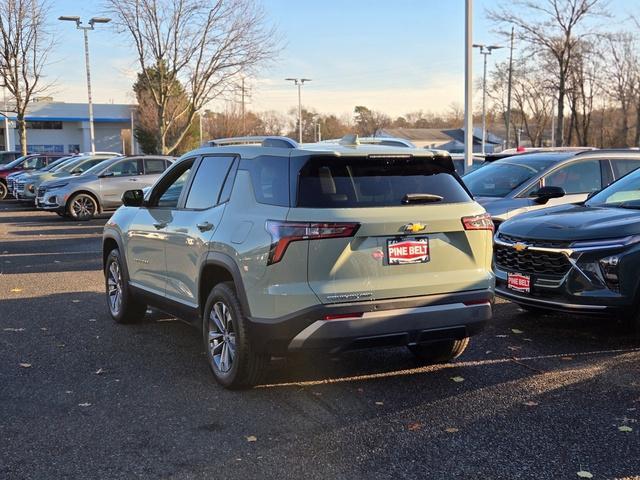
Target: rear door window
<point>347,182</point>
<point>622,167</point>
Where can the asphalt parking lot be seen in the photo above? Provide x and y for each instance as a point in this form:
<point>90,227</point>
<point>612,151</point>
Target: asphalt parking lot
<point>540,397</point>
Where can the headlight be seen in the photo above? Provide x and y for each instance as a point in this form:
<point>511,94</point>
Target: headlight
<point>30,188</point>
<point>609,268</point>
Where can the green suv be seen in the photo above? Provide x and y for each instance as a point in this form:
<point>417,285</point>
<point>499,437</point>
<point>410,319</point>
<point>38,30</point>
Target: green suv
<point>270,247</point>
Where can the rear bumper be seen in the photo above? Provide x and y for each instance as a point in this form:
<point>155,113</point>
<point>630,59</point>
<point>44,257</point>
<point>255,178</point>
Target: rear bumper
<point>405,321</point>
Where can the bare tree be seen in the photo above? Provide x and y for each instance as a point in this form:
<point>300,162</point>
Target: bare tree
<point>553,27</point>
<point>622,78</point>
<point>203,44</point>
<point>25,44</point>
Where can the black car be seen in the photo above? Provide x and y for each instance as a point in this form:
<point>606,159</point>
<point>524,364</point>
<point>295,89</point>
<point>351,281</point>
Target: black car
<point>581,258</point>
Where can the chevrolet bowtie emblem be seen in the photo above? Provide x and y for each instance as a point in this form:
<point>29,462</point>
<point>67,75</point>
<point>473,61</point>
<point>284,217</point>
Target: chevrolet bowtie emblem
<point>414,227</point>
<point>520,246</point>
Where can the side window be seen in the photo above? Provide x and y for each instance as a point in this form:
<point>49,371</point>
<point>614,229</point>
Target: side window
<point>580,177</point>
<point>270,178</point>
<point>153,166</point>
<point>126,168</point>
<point>41,162</point>
<point>30,163</point>
<point>206,186</point>
<point>622,167</point>
<point>167,192</point>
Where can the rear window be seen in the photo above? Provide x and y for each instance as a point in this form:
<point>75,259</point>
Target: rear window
<point>346,182</point>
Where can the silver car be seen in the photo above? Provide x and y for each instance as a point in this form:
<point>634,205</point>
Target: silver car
<point>100,188</point>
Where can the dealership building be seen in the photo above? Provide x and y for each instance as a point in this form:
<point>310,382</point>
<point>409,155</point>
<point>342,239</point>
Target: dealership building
<point>64,127</point>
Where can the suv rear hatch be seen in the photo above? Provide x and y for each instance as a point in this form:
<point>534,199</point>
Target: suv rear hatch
<point>405,226</point>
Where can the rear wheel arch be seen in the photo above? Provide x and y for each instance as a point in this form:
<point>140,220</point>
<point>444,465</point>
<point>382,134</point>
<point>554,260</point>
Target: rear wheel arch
<point>219,268</point>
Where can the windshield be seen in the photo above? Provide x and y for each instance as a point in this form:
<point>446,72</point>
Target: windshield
<point>624,193</point>
<point>53,165</point>
<point>501,177</point>
<point>16,162</point>
<point>67,167</point>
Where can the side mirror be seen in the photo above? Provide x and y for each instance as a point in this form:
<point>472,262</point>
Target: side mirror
<point>544,194</point>
<point>106,174</point>
<point>592,194</point>
<point>133,198</point>
<point>77,171</point>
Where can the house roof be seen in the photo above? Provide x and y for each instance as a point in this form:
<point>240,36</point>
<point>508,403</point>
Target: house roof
<point>76,112</point>
<point>418,134</point>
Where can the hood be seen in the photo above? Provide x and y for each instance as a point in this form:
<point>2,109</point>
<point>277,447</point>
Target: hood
<point>574,222</point>
<point>75,179</point>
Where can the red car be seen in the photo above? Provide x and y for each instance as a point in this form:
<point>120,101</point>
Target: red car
<point>28,162</point>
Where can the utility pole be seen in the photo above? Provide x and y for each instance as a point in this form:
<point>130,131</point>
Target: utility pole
<point>133,137</point>
<point>508,120</point>
<point>553,122</point>
<point>468,86</point>
<point>299,82</point>
<point>244,122</point>
<point>486,51</point>
<point>85,30</point>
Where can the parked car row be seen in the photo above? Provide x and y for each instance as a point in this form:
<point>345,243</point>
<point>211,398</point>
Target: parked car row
<point>79,186</point>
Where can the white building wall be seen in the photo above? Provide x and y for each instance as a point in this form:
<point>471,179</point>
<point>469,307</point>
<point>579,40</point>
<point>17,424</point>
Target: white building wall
<point>107,137</point>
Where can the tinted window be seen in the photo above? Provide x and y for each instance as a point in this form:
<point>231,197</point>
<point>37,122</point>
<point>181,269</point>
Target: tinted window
<point>153,165</point>
<point>126,168</point>
<point>270,178</point>
<point>208,181</point>
<point>86,165</point>
<point>624,192</point>
<point>342,182</point>
<point>167,193</point>
<point>622,167</point>
<point>580,177</point>
<point>500,178</point>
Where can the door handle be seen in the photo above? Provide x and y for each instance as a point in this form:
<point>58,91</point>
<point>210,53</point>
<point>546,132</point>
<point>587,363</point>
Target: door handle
<point>205,226</point>
<point>160,226</point>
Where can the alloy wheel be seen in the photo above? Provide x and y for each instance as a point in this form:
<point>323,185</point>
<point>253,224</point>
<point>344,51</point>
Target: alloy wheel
<point>114,288</point>
<point>221,337</point>
<point>3,191</point>
<point>83,206</point>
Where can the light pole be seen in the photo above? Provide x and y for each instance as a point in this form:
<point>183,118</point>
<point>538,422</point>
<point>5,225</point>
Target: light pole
<point>7,137</point>
<point>85,30</point>
<point>486,51</point>
<point>299,82</point>
<point>468,86</point>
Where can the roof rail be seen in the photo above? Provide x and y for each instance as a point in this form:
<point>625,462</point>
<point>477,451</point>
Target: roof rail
<point>264,141</point>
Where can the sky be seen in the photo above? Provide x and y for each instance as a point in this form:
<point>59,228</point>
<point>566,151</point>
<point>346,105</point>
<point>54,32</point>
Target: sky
<point>394,56</point>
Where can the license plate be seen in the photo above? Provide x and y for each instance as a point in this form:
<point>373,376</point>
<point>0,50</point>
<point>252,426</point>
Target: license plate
<point>403,251</point>
<point>519,282</point>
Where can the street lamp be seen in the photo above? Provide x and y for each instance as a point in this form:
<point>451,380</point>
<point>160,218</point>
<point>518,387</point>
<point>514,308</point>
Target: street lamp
<point>485,50</point>
<point>299,82</point>
<point>85,30</point>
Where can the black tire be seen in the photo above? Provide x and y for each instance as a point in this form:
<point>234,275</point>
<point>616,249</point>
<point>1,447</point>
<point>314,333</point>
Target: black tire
<point>631,325</point>
<point>225,332</point>
<point>439,352</point>
<point>82,206</point>
<point>125,308</point>
<point>4,191</point>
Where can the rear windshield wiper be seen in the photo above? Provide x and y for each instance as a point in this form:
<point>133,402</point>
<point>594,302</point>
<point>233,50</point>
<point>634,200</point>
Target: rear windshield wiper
<point>421,198</point>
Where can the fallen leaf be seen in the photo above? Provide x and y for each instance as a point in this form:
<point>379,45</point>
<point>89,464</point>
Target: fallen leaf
<point>501,336</point>
<point>75,301</point>
<point>514,348</point>
<point>68,391</point>
<point>13,329</point>
<point>379,403</point>
<point>15,290</point>
<point>516,331</point>
<point>584,474</point>
<point>44,329</point>
<point>25,365</point>
<point>457,379</point>
<point>99,371</point>
<point>317,394</point>
<point>92,320</point>
<point>86,404</point>
<point>56,261</point>
<point>531,403</point>
<point>566,359</point>
<point>252,438</point>
<point>527,339</point>
<point>625,428</point>
<point>360,390</point>
<point>488,352</point>
<point>451,430</point>
<point>412,427</point>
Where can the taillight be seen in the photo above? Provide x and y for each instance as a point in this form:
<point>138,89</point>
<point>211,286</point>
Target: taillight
<point>478,222</point>
<point>283,233</point>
